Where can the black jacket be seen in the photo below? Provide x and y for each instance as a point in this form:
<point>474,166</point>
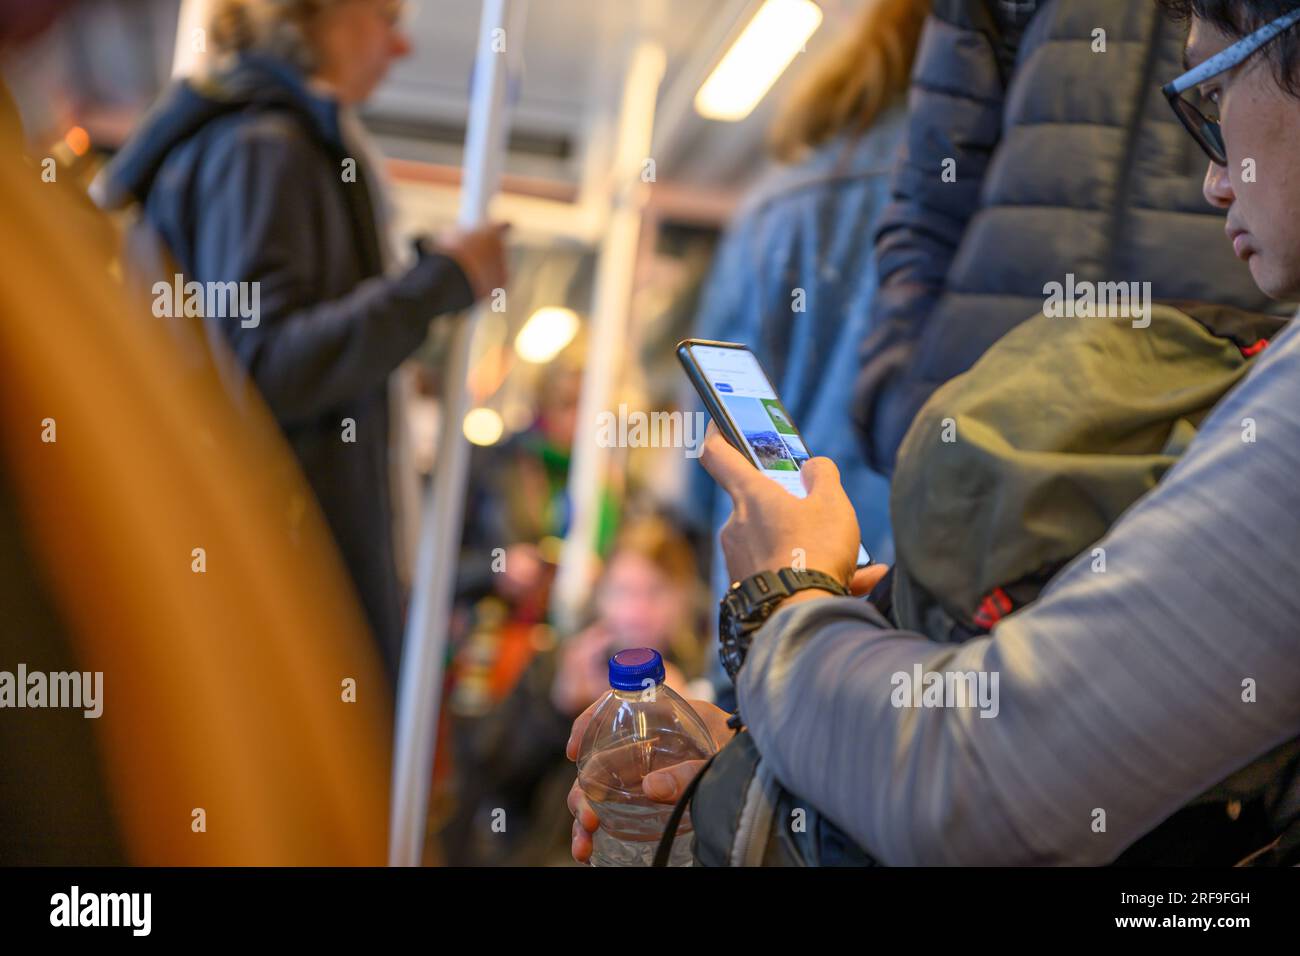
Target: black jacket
<point>1067,160</point>
<point>244,181</point>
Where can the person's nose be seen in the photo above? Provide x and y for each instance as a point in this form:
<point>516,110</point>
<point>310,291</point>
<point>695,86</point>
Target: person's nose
<point>1218,187</point>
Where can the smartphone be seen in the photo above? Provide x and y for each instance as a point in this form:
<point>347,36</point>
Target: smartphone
<point>748,412</point>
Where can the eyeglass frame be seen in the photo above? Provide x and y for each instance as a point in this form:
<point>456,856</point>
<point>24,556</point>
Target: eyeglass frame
<point>1207,132</point>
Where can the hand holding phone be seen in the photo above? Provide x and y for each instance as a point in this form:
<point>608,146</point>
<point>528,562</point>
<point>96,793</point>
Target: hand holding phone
<point>748,412</point>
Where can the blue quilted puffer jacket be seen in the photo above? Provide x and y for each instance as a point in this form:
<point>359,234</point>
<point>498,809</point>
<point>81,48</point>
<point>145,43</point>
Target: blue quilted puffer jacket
<point>1067,160</point>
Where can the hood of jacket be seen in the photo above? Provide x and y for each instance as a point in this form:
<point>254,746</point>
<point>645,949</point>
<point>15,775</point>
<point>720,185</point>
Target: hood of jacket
<point>253,82</point>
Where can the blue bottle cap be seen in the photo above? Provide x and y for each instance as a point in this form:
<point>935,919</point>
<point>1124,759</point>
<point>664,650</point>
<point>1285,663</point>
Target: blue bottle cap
<point>630,669</point>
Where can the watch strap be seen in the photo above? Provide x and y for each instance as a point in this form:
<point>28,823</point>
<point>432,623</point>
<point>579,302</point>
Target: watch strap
<point>748,597</point>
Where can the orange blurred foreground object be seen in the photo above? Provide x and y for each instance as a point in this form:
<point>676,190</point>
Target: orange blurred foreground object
<point>226,669</point>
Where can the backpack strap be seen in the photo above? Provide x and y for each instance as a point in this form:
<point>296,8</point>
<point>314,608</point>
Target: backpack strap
<point>665,847</point>
<point>755,823</point>
<point>1284,851</point>
<point>1249,331</point>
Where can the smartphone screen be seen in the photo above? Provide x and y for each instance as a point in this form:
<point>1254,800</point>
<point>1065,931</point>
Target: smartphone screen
<point>766,434</point>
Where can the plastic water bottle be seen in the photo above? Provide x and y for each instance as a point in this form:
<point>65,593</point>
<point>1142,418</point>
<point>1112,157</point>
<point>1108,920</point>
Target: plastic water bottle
<point>639,726</point>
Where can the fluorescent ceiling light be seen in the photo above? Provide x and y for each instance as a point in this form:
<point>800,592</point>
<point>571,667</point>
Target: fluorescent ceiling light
<point>545,334</point>
<point>760,54</point>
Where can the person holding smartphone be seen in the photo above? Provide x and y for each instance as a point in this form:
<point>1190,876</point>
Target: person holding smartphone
<point>1128,692</point>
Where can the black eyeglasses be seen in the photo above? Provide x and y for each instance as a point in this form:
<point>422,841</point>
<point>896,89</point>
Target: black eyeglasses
<point>1204,129</point>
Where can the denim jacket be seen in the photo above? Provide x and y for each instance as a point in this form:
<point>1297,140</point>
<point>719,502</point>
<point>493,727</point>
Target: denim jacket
<point>794,279</point>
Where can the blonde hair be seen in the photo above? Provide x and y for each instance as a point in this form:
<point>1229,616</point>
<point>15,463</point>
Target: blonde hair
<point>279,28</point>
<point>663,545</point>
<point>848,87</point>
<point>660,543</point>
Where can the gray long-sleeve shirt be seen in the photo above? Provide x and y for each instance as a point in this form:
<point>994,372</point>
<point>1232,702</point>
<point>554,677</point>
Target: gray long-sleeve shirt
<point>1127,691</point>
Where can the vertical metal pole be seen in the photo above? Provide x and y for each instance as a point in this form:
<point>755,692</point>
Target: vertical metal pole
<point>612,296</point>
<point>191,48</point>
<point>420,683</point>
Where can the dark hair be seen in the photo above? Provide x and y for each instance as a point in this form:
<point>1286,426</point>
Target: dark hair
<point>1239,18</point>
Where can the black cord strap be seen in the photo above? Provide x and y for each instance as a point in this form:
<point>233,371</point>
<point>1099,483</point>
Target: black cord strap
<point>665,848</point>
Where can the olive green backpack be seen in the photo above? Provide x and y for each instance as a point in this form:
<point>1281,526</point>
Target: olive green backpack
<point>1021,465</point>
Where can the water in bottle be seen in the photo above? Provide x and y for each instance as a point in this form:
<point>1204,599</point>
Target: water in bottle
<point>639,726</point>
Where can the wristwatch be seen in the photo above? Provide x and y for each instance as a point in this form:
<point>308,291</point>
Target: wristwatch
<point>749,603</point>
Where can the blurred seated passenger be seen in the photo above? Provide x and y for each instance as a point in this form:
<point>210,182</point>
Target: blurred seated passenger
<point>646,598</point>
<point>513,758</point>
<point>517,513</point>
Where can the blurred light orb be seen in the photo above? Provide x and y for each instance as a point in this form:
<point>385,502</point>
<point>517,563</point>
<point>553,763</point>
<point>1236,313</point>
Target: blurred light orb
<point>545,334</point>
<point>483,426</point>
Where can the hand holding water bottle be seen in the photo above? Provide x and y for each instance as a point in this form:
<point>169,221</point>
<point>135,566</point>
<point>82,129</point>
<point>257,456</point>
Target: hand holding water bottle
<point>637,748</point>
